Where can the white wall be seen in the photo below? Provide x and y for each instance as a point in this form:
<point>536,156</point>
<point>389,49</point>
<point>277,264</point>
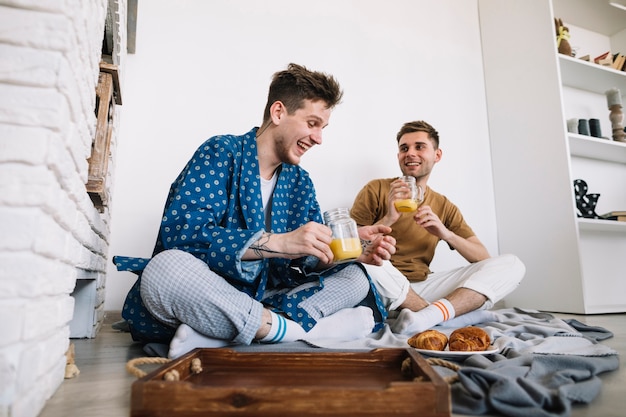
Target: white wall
<point>203,68</point>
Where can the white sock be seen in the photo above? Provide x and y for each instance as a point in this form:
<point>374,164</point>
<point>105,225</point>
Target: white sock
<point>347,324</point>
<point>410,322</point>
<point>186,339</point>
<point>283,330</point>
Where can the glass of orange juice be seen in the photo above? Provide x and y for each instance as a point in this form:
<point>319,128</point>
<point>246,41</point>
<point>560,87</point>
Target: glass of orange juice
<point>414,198</point>
<point>345,243</point>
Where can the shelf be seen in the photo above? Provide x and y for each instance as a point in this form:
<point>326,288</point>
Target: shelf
<point>594,225</point>
<point>590,76</point>
<point>597,148</point>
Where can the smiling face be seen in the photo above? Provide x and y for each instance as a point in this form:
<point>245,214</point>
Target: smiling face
<point>417,155</point>
<point>299,131</point>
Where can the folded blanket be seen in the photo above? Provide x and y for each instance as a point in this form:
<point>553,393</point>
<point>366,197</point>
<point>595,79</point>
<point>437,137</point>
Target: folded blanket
<point>528,331</point>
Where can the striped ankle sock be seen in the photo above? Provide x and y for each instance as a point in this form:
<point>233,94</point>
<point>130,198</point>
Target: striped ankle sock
<point>410,322</point>
<point>283,330</point>
<point>446,309</point>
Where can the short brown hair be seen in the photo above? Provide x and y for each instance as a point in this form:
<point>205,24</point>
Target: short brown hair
<point>419,126</point>
<point>296,84</point>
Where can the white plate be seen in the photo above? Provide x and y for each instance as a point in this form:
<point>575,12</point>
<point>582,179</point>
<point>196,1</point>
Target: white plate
<point>457,354</point>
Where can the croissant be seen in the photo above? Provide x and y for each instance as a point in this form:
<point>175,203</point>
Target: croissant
<point>469,339</point>
<point>429,339</point>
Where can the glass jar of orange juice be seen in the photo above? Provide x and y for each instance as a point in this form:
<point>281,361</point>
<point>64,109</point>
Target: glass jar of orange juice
<point>414,198</point>
<point>346,244</point>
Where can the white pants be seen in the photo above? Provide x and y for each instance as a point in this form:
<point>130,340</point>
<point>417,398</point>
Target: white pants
<point>494,278</point>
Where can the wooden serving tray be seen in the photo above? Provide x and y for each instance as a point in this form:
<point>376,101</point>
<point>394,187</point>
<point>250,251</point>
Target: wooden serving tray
<point>301,384</point>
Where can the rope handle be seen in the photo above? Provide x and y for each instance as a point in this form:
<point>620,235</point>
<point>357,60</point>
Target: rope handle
<point>172,375</point>
<point>406,368</point>
<point>132,365</point>
<point>440,362</point>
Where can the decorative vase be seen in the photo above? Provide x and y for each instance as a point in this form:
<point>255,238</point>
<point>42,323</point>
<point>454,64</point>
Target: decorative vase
<point>616,116</point>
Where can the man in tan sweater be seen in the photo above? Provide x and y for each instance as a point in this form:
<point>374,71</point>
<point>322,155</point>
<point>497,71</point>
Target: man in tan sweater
<point>425,299</point>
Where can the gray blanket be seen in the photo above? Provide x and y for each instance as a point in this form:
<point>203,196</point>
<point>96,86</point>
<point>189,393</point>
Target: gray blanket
<point>545,365</point>
<point>525,331</point>
<point>528,385</point>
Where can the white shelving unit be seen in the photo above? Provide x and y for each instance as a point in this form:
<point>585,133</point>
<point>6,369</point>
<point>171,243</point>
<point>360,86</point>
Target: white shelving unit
<point>604,226</point>
<point>590,76</point>
<point>594,148</point>
<point>573,265</point>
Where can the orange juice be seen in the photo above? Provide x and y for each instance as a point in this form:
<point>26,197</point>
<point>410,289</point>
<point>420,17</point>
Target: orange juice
<point>406,205</point>
<point>346,248</point>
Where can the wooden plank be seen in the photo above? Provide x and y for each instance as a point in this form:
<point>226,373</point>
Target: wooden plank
<point>100,148</point>
<point>113,70</point>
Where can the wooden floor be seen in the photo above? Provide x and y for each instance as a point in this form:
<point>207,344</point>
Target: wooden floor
<point>103,387</point>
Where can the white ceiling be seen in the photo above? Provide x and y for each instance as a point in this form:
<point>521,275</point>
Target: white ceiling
<point>595,15</point>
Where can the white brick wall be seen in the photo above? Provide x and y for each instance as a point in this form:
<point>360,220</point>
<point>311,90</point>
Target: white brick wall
<point>50,232</point>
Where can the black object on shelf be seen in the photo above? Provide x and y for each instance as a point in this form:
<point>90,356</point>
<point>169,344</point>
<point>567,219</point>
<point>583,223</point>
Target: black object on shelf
<point>594,128</point>
<point>583,127</point>
<point>585,203</point>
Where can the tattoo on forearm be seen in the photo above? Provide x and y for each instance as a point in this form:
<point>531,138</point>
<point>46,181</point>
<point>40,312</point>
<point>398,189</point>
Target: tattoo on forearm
<point>260,246</point>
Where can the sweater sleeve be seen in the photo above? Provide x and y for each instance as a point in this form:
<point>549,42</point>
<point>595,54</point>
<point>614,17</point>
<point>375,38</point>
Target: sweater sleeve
<point>370,203</point>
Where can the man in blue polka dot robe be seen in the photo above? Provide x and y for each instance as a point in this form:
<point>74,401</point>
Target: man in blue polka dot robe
<point>242,254</point>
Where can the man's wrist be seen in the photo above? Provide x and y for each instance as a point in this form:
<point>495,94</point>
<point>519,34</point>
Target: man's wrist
<point>261,247</point>
<point>387,221</point>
